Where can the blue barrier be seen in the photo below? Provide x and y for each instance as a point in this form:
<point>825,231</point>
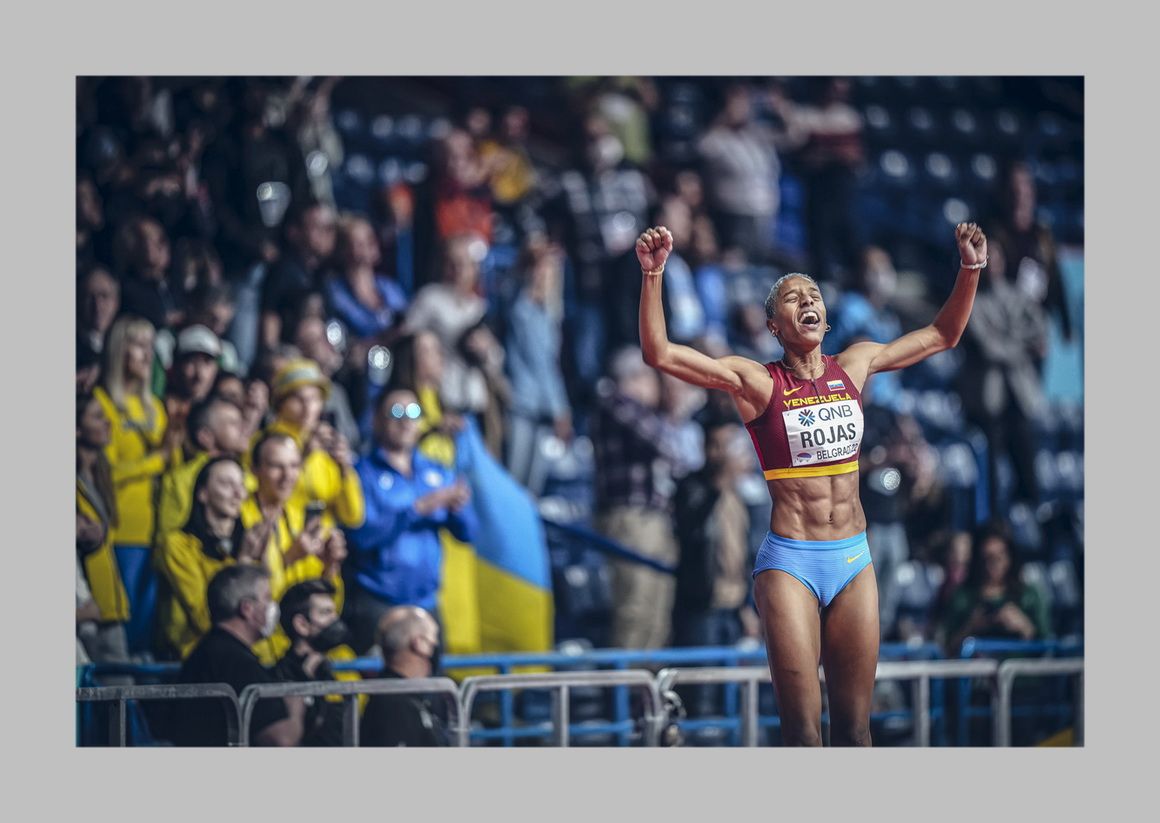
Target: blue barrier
<point>621,726</point>
<point>985,647</point>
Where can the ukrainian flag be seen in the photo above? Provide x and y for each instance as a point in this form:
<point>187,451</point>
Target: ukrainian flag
<point>513,573</point>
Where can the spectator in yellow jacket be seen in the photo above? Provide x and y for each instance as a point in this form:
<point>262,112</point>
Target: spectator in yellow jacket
<point>214,429</point>
<point>298,392</point>
<point>103,638</point>
<point>138,452</point>
<point>212,538</point>
<point>303,548</point>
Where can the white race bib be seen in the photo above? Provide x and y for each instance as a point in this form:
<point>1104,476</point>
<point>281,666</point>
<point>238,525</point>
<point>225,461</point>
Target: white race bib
<point>823,432</point>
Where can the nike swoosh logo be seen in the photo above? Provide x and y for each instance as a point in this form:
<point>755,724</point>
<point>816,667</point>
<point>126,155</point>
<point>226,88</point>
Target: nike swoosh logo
<point>788,392</point>
<point>855,557</point>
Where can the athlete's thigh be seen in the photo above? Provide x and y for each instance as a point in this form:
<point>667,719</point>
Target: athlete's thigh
<point>850,647</point>
<point>789,616</point>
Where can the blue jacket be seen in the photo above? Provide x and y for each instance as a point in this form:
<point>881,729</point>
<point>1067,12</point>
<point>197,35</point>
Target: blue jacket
<point>396,554</point>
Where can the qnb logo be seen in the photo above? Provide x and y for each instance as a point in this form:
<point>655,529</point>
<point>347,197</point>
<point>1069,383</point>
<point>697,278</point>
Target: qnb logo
<point>806,417</point>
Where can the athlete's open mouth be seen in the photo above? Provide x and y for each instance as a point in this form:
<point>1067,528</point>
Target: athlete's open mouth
<point>810,319</point>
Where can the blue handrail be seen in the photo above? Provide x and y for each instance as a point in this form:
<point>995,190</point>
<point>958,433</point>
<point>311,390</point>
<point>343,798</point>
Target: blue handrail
<point>619,724</point>
<point>978,646</point>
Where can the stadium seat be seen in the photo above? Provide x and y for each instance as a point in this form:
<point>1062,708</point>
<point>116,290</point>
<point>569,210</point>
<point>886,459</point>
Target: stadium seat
<point>1025,529</point>
<point>1034,574</point>
<point>1067,597</point>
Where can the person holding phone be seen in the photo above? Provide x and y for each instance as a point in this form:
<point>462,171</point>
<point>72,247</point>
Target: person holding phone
<point>301,546</point>
<point>299,391</point>
<point>994,602</point>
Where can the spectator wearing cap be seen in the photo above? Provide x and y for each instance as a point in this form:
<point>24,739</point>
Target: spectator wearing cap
<point>318,637</point>
<point>213,305</point>
<point>311,338</point>
<point>191,377</point>
<point>214,429</point>
<point>139,451</point>
<point>396,555</point>
<point>299,392</point>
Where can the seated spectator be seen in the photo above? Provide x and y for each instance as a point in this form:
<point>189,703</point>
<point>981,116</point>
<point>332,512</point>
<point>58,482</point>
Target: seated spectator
<point>106,605</point>
<point>994,602</point>
<point>511,173</point>
<point>301,546</point>
<point>93,233</point>
<point>741,171</point>
<point>956,563</point>
<point>449,309</point>
<point>243,612</point>
<point>684,315</point>
<point>310,234</point>
<point>212,305</point>
<point>194,370</point>
<point>214,430</point>
<point>481,351</point>
<point>139,452</point>
<point>256,408</point>
<point>396,554</point>
<point>366,300</point>
<point>142,255</point>
<point>310,338</point>
<point>462,202</point>
<point>408,638</point>
<point>327,475</point>
<point>211,539</point>
<point>230,386</point>
<point>318,636</point>
<point>539,401</point>
<point>98,301</point>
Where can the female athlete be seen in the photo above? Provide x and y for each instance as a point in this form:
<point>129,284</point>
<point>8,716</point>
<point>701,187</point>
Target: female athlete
<point>804,415</point>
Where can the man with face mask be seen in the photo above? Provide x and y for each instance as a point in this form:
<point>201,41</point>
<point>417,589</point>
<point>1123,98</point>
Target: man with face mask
<point>243,612</point>
<point>408,638</point>
<point>318,637</point>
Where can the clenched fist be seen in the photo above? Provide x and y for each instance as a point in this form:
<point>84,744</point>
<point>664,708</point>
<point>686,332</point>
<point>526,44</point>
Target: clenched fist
<point>972,243</point>
<point>653,248</point>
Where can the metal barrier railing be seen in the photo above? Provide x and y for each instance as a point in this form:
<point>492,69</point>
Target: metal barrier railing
<point>1010,669</point>
<point>350,689</point>
<point>560,683</point>
<point>189,691</point>
<point>973,647</point>
<point>751,678</point>
<point>461,699</point>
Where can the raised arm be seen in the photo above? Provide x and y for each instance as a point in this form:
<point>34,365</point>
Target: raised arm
<point>864,359</point>
<point>745,379</point>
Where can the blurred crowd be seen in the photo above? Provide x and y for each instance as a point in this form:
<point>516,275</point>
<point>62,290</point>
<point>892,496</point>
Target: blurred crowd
<point>275,367</point>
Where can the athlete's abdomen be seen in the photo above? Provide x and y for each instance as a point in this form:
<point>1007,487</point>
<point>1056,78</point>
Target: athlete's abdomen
<point>816,508</point>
